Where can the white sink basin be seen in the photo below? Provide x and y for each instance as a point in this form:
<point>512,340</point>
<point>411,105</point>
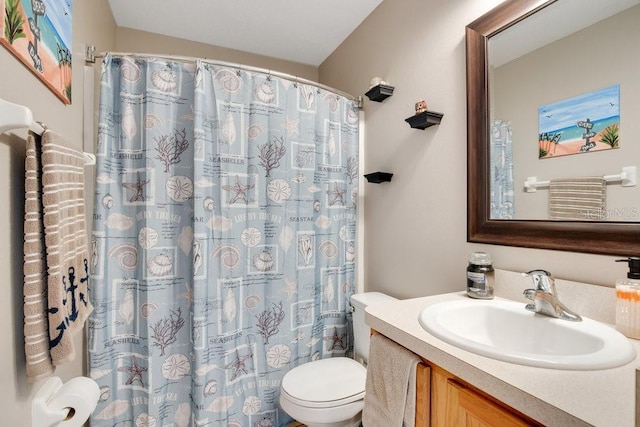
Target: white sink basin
<point>505,330</point>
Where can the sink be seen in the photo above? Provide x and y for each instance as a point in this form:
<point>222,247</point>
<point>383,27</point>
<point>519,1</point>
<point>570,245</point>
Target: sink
<point>506,331</point>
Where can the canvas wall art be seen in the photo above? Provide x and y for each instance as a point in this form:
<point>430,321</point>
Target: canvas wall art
<point>582,124</point>
<point>38,33</point>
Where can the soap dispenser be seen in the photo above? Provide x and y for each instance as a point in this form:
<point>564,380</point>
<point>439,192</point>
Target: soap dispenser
<point>628,300</point>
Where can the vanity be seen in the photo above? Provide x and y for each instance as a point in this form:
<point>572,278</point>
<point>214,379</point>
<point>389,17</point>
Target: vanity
<point>454,381</point>
<point>457,386</point>
<point>461,387</point>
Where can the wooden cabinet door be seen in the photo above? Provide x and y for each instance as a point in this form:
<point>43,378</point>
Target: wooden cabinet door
<point>453,404</point>
<point>466,408</point>
<point>423,395</point>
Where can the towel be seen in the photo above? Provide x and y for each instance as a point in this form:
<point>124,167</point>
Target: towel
<point>390,386</point>
<point>66,244</point>
<point>60,178</point>
<point>36,325</point>
<point>578,199</point>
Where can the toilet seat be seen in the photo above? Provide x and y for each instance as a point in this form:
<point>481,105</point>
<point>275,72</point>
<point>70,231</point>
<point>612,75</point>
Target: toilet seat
<point>325,383</point>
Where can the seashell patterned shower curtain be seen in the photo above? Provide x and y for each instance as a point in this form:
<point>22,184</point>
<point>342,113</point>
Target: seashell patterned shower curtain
<point>502,204</point>
<point>223,240</point>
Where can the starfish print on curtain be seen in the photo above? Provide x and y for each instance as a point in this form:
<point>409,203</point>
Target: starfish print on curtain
<point>239,191</point>
<point>336,340</point>
<point>336,194</point>
<point>137,187</point>
<point>135,372</point>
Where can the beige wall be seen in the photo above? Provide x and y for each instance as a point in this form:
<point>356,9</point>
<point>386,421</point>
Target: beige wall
<point>599,56</point>
<point>92,25</point>
<point>415,226</point>
<point>128,40</point>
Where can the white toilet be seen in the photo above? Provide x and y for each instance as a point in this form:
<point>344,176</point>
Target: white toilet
<point>330,392</point>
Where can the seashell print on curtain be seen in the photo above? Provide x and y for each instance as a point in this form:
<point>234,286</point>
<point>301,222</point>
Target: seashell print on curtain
<point>223,241</point>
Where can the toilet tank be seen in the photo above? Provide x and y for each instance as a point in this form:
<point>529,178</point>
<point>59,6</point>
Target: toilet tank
<point>361,331</point>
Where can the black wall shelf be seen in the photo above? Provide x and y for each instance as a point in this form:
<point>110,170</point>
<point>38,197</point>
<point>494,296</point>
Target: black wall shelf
<point>380,92</point>
<point>378,177</point>
<point>424,120</point>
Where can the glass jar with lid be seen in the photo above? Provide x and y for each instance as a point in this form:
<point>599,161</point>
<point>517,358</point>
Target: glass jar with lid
<point>480,277</point>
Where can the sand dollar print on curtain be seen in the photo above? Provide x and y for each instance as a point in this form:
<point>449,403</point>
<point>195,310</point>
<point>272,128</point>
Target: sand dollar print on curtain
<point>224,240</point>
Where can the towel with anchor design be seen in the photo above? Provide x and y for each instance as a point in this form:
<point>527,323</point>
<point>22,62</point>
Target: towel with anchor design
<point>56,253</point>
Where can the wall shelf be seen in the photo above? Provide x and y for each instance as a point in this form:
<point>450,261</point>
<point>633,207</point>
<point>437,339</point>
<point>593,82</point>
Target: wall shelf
<point>378,177</point>
<point>424,120</point>
<point>380,92</point>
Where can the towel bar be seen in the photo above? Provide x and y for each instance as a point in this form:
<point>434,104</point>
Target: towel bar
<point>627,178</point>
<point>14,116</point>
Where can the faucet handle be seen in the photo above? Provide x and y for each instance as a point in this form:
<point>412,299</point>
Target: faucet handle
<point>537,272</point>
<point>542,279</point>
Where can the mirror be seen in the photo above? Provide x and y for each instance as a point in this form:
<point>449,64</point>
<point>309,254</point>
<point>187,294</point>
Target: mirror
<point>560,68</point>
<point>599,236</point>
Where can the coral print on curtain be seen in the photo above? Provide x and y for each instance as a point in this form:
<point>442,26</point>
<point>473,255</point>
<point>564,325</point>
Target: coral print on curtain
<point>223,242</point>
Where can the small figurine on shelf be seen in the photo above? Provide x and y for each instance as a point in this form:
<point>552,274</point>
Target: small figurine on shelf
<point>379,90</point>
<point>421,106</point>
<point>375,81</point>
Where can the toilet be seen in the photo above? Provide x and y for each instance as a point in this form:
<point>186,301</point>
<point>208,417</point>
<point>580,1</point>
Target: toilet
<point>330,392</point>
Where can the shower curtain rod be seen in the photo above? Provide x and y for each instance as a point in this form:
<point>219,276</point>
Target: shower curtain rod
<point>235,65</point>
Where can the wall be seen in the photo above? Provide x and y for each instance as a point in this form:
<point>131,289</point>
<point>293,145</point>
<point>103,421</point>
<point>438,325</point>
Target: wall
<point>91,24</point>
<point>597,57</point>
<point>129,40</point>
<point>415,226</point>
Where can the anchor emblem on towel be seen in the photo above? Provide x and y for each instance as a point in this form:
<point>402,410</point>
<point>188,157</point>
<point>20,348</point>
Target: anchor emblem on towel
<point>73,314</point>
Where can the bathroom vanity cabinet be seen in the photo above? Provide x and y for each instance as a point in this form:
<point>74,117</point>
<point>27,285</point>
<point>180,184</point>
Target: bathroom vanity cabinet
<point>443,400</point>
<point>458,388</point>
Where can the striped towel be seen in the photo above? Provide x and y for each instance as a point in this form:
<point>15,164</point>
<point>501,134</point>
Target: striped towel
<point>578,199</point>
<point>62,290</point>
<point>36,326</point>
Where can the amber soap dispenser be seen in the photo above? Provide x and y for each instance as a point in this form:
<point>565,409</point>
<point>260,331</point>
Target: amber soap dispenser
<point>628,300</point>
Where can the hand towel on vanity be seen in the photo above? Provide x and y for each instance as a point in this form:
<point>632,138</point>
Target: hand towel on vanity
<point>36,326</point>
<point>577,199</point>
<point>65,243</point>
<point>391,385</point>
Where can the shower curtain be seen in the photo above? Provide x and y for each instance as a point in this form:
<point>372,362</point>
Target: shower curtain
<point>223,242</point>
<point>501,166</point>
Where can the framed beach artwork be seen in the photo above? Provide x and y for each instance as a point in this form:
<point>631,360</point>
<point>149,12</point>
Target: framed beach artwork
<point>582,124</point>
<point>38,33</point>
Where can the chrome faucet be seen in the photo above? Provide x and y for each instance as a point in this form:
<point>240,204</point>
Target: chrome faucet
<point>545,300</point>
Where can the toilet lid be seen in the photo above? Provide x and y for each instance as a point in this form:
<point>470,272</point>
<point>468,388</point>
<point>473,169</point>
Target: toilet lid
<point>326,381</point>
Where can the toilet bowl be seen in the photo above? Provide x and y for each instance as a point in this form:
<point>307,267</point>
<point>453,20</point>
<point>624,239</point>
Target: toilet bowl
<point>330,392</point>
<point>327,392</point>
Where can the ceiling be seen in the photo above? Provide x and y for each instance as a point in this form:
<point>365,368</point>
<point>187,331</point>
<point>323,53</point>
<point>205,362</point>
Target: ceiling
<point>305,31</point>
<point>552,23</point>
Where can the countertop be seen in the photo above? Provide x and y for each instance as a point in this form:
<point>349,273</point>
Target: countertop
<point>605,398</point>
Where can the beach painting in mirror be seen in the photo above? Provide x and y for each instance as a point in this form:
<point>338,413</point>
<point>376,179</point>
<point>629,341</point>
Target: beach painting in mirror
<point>38,33</point>
<point>582,124</point>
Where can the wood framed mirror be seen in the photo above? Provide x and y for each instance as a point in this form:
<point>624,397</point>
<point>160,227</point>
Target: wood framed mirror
<point>599,237</point>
